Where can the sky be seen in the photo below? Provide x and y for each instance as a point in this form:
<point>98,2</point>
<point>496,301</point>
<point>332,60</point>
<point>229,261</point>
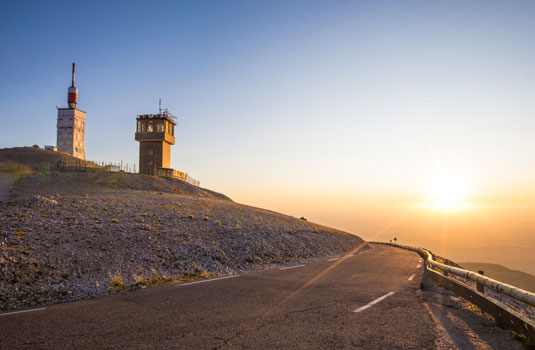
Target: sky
<point>343,112</point>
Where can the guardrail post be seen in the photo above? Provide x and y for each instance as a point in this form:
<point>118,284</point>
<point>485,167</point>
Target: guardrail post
<point>480,288</point>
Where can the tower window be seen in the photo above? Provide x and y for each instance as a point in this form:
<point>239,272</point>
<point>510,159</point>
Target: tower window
<point>160,127</point>
<point>150,127</point>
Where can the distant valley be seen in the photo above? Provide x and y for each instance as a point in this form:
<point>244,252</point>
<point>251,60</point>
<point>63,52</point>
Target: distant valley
<point>501,273</point>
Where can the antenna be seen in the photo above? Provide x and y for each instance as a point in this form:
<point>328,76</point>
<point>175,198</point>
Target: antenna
<point>160,106</point>
<point>72,74</point>
<point>72,95</point>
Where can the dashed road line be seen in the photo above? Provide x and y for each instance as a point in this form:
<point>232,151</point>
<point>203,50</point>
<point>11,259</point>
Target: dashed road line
<point>351,255</point>
<point>333,259</point>
<point>23,311</point>
<point>411,278</point>
<point>209,280</point>
<point>378,300</point>
<point>290,267</point>
<point>419,265</point>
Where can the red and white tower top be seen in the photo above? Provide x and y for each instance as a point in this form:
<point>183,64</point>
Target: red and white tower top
<point>72,97</point>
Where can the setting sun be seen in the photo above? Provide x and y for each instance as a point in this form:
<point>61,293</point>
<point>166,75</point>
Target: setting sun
<point>448,192</point>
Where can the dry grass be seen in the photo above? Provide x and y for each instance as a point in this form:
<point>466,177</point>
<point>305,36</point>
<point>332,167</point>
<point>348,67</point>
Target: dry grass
<point>116,283</point>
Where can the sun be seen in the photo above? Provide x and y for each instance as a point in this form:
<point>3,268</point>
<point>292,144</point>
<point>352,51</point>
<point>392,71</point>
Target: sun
<point>448,192</point>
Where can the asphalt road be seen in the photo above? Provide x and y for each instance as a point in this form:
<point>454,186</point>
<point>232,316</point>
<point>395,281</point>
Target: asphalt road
<point>364,301</point>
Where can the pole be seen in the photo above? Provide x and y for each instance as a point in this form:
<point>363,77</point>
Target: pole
<point>72,74</point>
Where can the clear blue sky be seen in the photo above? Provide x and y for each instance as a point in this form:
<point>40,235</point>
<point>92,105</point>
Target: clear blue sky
<point>286,103</point>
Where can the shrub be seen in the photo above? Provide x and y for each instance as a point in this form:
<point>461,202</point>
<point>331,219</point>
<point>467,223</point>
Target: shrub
<point>116,283</point>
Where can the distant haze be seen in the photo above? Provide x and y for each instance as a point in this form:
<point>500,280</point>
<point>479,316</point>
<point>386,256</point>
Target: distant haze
<point>342,112</point>
<point>499,230</point>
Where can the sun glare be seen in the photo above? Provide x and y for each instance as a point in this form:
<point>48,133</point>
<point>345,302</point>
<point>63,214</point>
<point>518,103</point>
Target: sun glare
<point>448,192</point>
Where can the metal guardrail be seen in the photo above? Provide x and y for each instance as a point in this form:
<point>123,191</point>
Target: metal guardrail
<point>504,288</point>
<point>504,316</point>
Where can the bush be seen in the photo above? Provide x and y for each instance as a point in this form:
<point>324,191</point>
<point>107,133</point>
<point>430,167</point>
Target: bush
<point>116,283</point>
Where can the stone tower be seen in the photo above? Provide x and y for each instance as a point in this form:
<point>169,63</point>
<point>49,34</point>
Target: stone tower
<point>156,134</point>
<point>71,125</point>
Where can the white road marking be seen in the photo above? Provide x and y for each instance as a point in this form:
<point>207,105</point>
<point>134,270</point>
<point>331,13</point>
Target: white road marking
<point>290,267</point>
<point>351,255</point>
<point>20,312</point>
<point>412,277</point>
<point>378,300</point>
<point>419,265</point>
<point>333,259</point>
<point>419,260</point>
<point>209,280</point>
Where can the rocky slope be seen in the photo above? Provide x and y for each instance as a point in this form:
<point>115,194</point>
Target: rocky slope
<point>67,236</point>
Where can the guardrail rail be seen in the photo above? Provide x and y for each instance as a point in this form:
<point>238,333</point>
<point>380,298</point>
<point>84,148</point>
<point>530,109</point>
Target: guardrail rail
<point>504,316</point>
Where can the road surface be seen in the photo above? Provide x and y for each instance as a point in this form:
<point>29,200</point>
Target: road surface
<point>364,301</point>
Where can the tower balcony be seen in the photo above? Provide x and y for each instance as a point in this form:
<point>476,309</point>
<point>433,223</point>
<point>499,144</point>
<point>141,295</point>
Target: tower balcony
<point>155,136</point>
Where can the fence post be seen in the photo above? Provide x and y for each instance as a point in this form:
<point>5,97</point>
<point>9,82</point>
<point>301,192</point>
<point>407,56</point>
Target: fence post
<point>480,288</point>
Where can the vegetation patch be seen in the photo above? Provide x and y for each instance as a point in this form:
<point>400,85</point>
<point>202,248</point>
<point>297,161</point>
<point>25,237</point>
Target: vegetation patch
<point>116,283</point>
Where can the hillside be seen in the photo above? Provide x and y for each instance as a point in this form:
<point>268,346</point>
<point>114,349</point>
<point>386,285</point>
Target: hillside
<point>42,163</point>
<point>74,235</point>
<point>35,158</point>
<point>503,274</point>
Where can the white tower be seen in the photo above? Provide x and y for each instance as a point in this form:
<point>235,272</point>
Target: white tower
<point>71,125</point>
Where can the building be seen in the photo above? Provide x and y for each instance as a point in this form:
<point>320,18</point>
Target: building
<point>51,148</point>
<point>71,125</point>
<point>156,135</point>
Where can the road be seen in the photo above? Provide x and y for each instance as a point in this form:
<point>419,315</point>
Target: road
<point>365,301</point>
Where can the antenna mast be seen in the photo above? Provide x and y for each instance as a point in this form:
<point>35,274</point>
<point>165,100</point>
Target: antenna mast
<point>72,74</point>
<point>72,96</point>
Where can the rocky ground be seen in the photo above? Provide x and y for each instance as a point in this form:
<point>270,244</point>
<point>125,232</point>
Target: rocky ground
<point>68,235</point>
